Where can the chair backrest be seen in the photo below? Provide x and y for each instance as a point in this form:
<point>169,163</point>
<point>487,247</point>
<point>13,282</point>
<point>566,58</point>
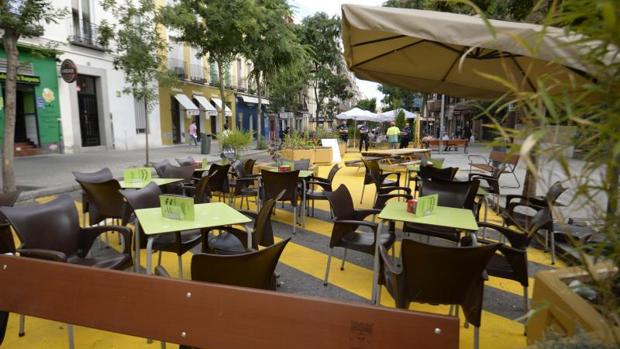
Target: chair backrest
<point>238,168</point>
<point>503,157</point>
<point>7,244</point>
<point>106,197</point>
<point>53,226</point>
<point>187,161</point>
<point>332,173</point>
<point>455,276</point>
<point>147,197</point>
<point>451,193</point>
<point>160,166</point>
<point>554,192</point>
<point>432,172</point>
<point>303,164</point>
<point>373,172</point>
<point>219,177</point>
<point>263,229</point>
<point>202,194</point>
<point>254,269</point>
<point>276,182</point>
<point>341,203</point>
<point>541,220</point>
<point>248,166</point>
<point>94,177</point>
<point>184,172</point>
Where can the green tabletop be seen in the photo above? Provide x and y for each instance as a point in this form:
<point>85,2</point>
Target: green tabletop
<point>140,185</point>
<point>209,215</point>
<point>448,217</point>
<point>302,173</point>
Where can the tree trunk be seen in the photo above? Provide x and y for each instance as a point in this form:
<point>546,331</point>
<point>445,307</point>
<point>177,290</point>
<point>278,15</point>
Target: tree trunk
<point>10,101</point>
<point>259,112</point>
<point>222,95</point>
<point>147,130</point>
<point>316,100</point>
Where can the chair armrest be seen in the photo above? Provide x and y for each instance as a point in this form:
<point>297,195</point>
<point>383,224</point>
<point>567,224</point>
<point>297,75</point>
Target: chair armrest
<point>241,235</point>
<point>371,225</point>
<point>50,255</point>
<point>250,214</point>
<point>471,157</point>
<point>517,240</point>
<point>480,176</point>
<point>387,190</point>
<point>361,214</point>
<point>389,263</point>
<point>88,235</point>
<point>325,186</point>
<point>382,199</point>
<point>385,175</point>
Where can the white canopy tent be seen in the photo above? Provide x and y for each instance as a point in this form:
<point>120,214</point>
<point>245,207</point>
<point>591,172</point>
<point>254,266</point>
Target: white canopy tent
<point>356,114</point>
<point>390,115</point>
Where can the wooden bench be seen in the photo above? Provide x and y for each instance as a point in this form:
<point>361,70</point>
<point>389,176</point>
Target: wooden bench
<point>491,163</point>
<point>452,143</point>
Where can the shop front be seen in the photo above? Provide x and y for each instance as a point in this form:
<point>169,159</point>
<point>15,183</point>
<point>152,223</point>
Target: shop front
<point>187,102</point>
<point>247,110</point>
<point>37,125</point>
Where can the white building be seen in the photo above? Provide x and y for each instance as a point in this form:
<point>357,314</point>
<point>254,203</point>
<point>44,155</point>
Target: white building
<point>95,113</point>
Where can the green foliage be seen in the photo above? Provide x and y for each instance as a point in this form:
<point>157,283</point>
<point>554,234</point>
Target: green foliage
<point>400,120</point>
<point>26,18</point>
<point>236,139</point>
<point>368,104</point>
<point>261,144</point>
<point>396,97</point>
<point>137,46</point>
<point>297,140</point>
<point>321,34</point>
<point>286,86</point>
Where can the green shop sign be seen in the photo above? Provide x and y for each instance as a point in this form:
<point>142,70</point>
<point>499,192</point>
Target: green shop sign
<point>23,79</point>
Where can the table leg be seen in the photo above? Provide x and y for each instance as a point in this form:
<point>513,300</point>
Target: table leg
<point>303,209</point>
<point>249,231</point>
<point>149,256</point>
<point>136,257</point>
<point>375,271</point>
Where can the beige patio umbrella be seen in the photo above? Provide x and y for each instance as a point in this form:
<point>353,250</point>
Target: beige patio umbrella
<point>438,52</point>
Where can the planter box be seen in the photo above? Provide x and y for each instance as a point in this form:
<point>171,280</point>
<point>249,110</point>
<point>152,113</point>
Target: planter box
<point>298,154</point>
<point>557,307</point>
<point>323,155</point>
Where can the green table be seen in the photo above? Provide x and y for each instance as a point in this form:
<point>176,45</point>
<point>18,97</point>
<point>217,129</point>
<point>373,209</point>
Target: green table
<point>140,185</point>
<point>447,217</point>
<point>209,215</point>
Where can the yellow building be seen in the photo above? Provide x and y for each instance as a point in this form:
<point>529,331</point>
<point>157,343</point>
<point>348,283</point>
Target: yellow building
<point>196,96</point>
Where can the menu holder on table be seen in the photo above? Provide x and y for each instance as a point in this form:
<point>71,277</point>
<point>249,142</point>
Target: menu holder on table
<point>177,207</point>
<point>137,175</point>
<point>426,205</point>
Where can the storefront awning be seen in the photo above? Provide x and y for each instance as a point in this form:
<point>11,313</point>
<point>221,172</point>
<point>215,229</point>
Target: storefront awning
<point>187,104</point>
<point>204,104</point>
<point>254,100</point>
<point>218,104</point>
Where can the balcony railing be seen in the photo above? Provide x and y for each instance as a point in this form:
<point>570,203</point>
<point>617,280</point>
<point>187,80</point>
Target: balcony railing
<point>177,67</point>
<point>197,74</point>
<point>85,34</point>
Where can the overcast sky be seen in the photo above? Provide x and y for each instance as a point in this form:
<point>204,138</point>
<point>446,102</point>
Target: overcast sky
<point>303,8</point>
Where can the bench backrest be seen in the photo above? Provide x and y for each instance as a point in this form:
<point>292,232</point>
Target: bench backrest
<point>502,157</point>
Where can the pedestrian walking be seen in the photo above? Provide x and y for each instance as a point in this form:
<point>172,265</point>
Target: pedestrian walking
<point>405,137</point>
<point>193,137</point>
<point>392,135</point>
<point>343,131</point>
<point>364,130</point>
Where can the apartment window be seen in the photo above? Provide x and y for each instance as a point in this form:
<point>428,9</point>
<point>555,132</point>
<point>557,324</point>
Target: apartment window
<point>197,73</point>
<point>175,58</point>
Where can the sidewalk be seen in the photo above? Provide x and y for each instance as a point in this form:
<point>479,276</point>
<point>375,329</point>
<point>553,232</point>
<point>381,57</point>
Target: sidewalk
<point>52,174</point>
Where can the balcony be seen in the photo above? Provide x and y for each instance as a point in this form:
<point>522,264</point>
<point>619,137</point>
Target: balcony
<point>177,67</point>
<point>85,34</point>
<point>197,74</point>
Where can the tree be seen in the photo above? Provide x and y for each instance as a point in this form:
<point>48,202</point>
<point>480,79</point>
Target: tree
<point>396,97</point>
<point>368,104</point>
<point>217,29</point>
<point>272,47</point>
<point>138,48</point>
<point>321,34</point>
<point>18,19</point>
<point>286,86</point>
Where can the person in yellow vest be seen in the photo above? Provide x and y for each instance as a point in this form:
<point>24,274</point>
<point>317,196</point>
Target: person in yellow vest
<point>392,135</point>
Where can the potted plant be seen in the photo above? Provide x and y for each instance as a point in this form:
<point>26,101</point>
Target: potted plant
<point>234,142</point>
<point>297,147</point>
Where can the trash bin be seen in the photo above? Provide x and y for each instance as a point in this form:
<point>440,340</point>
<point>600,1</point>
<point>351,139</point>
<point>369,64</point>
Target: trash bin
<point>205,143</point>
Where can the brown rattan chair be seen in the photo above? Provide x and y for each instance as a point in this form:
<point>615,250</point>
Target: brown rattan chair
<point>510,261</point>
<point>345,231</point>
<point>219,183</point>
<point>243,183</point>
<point>324,183</point>
<point>176,242</point>
<point>7,243</point>
<point>432,173</point>
<point>274,183</point>
<point>374,175</point>
<point>52,231</point>
<point>102,175</point>
<point>107,200</point>
<point>183,172</point>
<point>492,187</point>
<point>201,191</point>
<point>454,277</point>
<point>248,166</point>
<point>451,194</point>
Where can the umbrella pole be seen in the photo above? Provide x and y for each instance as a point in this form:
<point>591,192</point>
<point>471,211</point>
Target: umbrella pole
<point>354,132</point>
